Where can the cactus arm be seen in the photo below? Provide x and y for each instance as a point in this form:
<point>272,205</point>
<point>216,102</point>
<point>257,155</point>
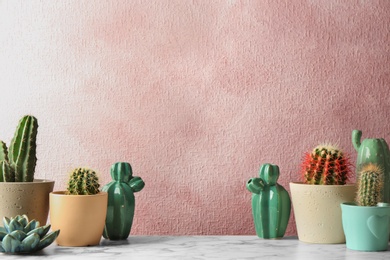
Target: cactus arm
<point>136,184</point>
<point>255,185</point>
<point>3,151</point>
<point>356,139</point>
<point>6,172</point>
<point>22,151</point>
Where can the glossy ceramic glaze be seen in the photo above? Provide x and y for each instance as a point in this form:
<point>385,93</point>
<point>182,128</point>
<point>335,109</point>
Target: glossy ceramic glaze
<point>121,201</point>
<point>271,203</point>
<point>366,228</point>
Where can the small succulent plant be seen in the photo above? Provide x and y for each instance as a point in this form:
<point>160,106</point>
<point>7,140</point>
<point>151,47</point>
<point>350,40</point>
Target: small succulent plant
<point>83,181</point>
<point>21,236</point>
<point>369,185</point>
<point>326,165</point>
<point>17,164</point>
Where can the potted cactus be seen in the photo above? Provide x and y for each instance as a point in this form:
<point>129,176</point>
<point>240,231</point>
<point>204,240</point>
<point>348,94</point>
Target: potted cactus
<point>316,200</point>
<point>366,221</point>
<point>80,211</point>
<point>21,193</point>
<point>271,204</point>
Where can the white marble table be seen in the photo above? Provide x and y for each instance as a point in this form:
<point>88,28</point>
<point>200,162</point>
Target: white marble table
<point>202,247</point>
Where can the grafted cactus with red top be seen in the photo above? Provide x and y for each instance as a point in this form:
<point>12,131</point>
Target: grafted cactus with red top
<point>326,165</point>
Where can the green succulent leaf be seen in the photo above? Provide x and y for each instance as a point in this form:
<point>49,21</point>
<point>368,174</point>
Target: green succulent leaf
<point>14,225</point>
<point>6,223</point>
<point>2,234</point>
<point>18,234</point>
<point>33,224</point>
<point>22,219</point>
<point>30,243</point>
<point>48,239</point>
<point>41,231</point>
<point>11,244</point>
<point>1,247</point>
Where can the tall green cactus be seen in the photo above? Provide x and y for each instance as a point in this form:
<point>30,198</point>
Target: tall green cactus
<point>370,184</point>
<point>83,181</point>
<point>18,163</point>
<point>326,165</point>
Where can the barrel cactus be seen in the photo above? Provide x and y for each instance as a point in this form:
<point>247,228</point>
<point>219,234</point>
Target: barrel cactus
<point>20,235</point>
<point>83,181</point>
<point>17,164</point>
<point>370,184</point>
<point>326,165</point>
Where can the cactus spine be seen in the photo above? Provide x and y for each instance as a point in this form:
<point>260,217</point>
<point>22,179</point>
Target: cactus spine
<point>326,165</point>
<point>83,181</point>
<point>18,164</point>
<point>370,184</point>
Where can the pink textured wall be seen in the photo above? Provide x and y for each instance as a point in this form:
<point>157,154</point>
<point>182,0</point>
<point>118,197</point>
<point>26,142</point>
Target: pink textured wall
<point>194,94</point>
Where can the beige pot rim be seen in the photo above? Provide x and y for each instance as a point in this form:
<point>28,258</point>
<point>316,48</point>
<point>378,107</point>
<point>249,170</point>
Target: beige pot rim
<point>35,182</point>
<point>321,186</point>
<point>62,193</point>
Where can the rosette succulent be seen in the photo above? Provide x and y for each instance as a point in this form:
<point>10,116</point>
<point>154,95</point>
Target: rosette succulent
<point>20,235</point>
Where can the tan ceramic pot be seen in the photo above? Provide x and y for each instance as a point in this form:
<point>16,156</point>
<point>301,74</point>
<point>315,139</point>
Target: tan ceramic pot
<point>317,211</point>
<point>80,218</point>
<point>30,198</point>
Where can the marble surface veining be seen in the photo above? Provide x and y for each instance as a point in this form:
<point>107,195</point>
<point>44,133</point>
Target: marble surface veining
<point>203,247</point>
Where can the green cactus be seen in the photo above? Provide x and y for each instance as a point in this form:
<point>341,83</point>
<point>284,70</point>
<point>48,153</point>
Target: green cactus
<point>21,157</point>
<point>370,184</point>
<point>23,236</point>
<point>326,165</point>
<point>83,181</point>
<point>121,201</point>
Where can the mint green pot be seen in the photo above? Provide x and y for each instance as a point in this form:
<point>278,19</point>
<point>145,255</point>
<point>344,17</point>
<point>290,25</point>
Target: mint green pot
<point>271,204</point>
<point>373,150</point>
<point>366,228</point>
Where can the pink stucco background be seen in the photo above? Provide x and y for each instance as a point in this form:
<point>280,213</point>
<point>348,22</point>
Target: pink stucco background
<point>196,95</point>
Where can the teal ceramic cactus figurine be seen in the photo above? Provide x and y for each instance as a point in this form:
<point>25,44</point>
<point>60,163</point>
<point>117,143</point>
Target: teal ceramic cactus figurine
<point>18,163</point>
<point>23,236</point>
<point>271,203</point>
<point>83,181</point>
<point>370,184</point>
<point>121,201</point>
<point>326,165</point>
<point>374,151</point>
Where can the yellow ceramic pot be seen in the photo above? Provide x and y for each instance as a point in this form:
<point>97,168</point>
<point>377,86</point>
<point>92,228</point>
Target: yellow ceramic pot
<point>80,218</point>
<point>318,213</point>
